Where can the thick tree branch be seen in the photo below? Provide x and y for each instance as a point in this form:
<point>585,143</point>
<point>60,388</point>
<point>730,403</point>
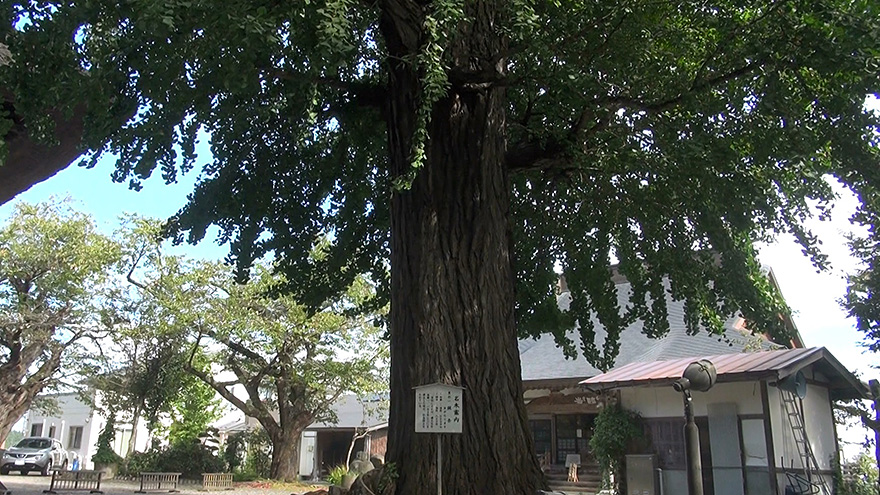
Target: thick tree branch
<point>29,162</point>
<point>401,24</point>
<point>864,416</point>
<point>554,154</point>
<point>237,347</point>
<point>221,388</point>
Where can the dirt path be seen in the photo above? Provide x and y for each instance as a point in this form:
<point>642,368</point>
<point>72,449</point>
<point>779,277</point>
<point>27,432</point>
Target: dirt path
<point>34,485</point>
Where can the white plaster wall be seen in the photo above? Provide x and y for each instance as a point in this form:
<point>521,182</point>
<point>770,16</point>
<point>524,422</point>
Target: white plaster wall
<point>819,423</point>
<point>72,413</point>
<point>664,402</point>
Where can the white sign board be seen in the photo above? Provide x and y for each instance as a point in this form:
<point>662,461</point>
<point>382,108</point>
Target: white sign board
<point>439,408</point>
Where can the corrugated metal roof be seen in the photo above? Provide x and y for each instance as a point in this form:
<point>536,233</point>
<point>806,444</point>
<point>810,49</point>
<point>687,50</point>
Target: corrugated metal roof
<point>730,368</point>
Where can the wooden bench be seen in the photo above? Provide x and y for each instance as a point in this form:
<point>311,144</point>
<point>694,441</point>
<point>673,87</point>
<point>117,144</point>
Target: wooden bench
<point>159,482</point>
<point>75,481</point>
<point>216,481</point>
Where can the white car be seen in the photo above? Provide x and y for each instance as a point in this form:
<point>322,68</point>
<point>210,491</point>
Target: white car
<point>34,454</point>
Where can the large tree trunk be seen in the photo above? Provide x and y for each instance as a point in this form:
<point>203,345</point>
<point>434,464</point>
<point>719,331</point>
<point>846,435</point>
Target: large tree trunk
<point>18,388</point>
<point>285,454</point>
<point>12,408</point>
<point>452,310</point>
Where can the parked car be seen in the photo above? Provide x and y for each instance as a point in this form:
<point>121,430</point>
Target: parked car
<point>34,454</point>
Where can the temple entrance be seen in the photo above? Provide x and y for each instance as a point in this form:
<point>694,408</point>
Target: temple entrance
<point>573,433</point>
<point>563,435</point>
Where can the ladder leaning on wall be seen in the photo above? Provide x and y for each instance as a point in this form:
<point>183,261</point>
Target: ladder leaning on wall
<point>794,409</point>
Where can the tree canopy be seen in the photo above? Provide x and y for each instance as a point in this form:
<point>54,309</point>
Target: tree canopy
<point>516,137</point>
<point>53,269</point>
<point>260,350</point>
<point>863,294</point>
<point>640,134</point>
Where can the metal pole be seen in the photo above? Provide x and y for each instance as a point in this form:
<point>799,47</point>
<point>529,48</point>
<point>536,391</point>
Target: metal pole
<point>692,447</point>
<point>439,465</point>
<point>874,387</point>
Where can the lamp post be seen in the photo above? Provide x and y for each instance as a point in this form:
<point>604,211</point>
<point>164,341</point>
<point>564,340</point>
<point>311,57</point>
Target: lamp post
<point>700,376</point>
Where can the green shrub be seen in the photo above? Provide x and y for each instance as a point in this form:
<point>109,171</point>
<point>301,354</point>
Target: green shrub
<point>336,475</point>
<point>104,454</point>
<point>190,459</point>
<point>244,476</point>
<point>234,451</point>
<point>860,477</point>
<point>258,459</point>
<point>140,462</point>
<point>613,431</point>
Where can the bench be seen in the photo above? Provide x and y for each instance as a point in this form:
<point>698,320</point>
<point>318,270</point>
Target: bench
<point>159,482</point>
<point>216,481</point>
<point>75,481</point>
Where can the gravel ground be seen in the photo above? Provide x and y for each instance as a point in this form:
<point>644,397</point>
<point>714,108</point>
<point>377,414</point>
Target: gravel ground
<point>34,485</point>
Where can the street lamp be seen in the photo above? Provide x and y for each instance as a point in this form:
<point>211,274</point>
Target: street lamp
<point>700,376</point>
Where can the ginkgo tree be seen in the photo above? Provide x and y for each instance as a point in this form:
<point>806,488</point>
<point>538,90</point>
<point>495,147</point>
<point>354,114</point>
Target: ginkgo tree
<point>476,146</point>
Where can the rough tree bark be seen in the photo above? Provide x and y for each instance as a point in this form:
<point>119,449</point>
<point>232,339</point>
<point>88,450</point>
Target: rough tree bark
<point>285,433</point>
<point>18,389</point>
<point>29,162</point>
<point>286,453</point>
<point>452,310</point>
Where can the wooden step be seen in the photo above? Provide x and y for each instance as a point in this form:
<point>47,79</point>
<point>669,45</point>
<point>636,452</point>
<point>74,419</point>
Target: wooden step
<point>575,490</point>
<point>588,485</point>
<point>581,473</point>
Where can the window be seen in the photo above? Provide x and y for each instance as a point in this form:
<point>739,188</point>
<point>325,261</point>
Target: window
<point>541,432</point>
<point>74,438</point>
<point>51,432</point>
<point>37,430</point>
<point>667,437</point>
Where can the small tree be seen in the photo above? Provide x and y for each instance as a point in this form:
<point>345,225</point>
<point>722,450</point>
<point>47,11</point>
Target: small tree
<point>144,370</point>
<point>104,453</point>
<point>858,477</point>
<point>293,365</point>
<point>195,408</point>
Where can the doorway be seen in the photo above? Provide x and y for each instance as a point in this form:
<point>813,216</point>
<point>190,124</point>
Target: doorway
<point>573,433</point>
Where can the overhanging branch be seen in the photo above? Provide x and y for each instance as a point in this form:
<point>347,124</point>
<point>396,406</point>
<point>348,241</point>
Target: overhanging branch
<point>554,154</point>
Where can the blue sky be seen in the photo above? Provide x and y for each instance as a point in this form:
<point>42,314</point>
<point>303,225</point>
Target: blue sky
<point>93,192</point>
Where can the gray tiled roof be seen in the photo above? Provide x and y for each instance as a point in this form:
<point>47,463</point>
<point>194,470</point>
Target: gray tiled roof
<point>352,413</point>
<point>543,360</point>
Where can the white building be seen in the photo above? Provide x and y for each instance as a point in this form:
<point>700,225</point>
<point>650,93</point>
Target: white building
<point>78,425</point>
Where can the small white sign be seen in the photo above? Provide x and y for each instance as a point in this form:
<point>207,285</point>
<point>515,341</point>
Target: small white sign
<point>439,408</point>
